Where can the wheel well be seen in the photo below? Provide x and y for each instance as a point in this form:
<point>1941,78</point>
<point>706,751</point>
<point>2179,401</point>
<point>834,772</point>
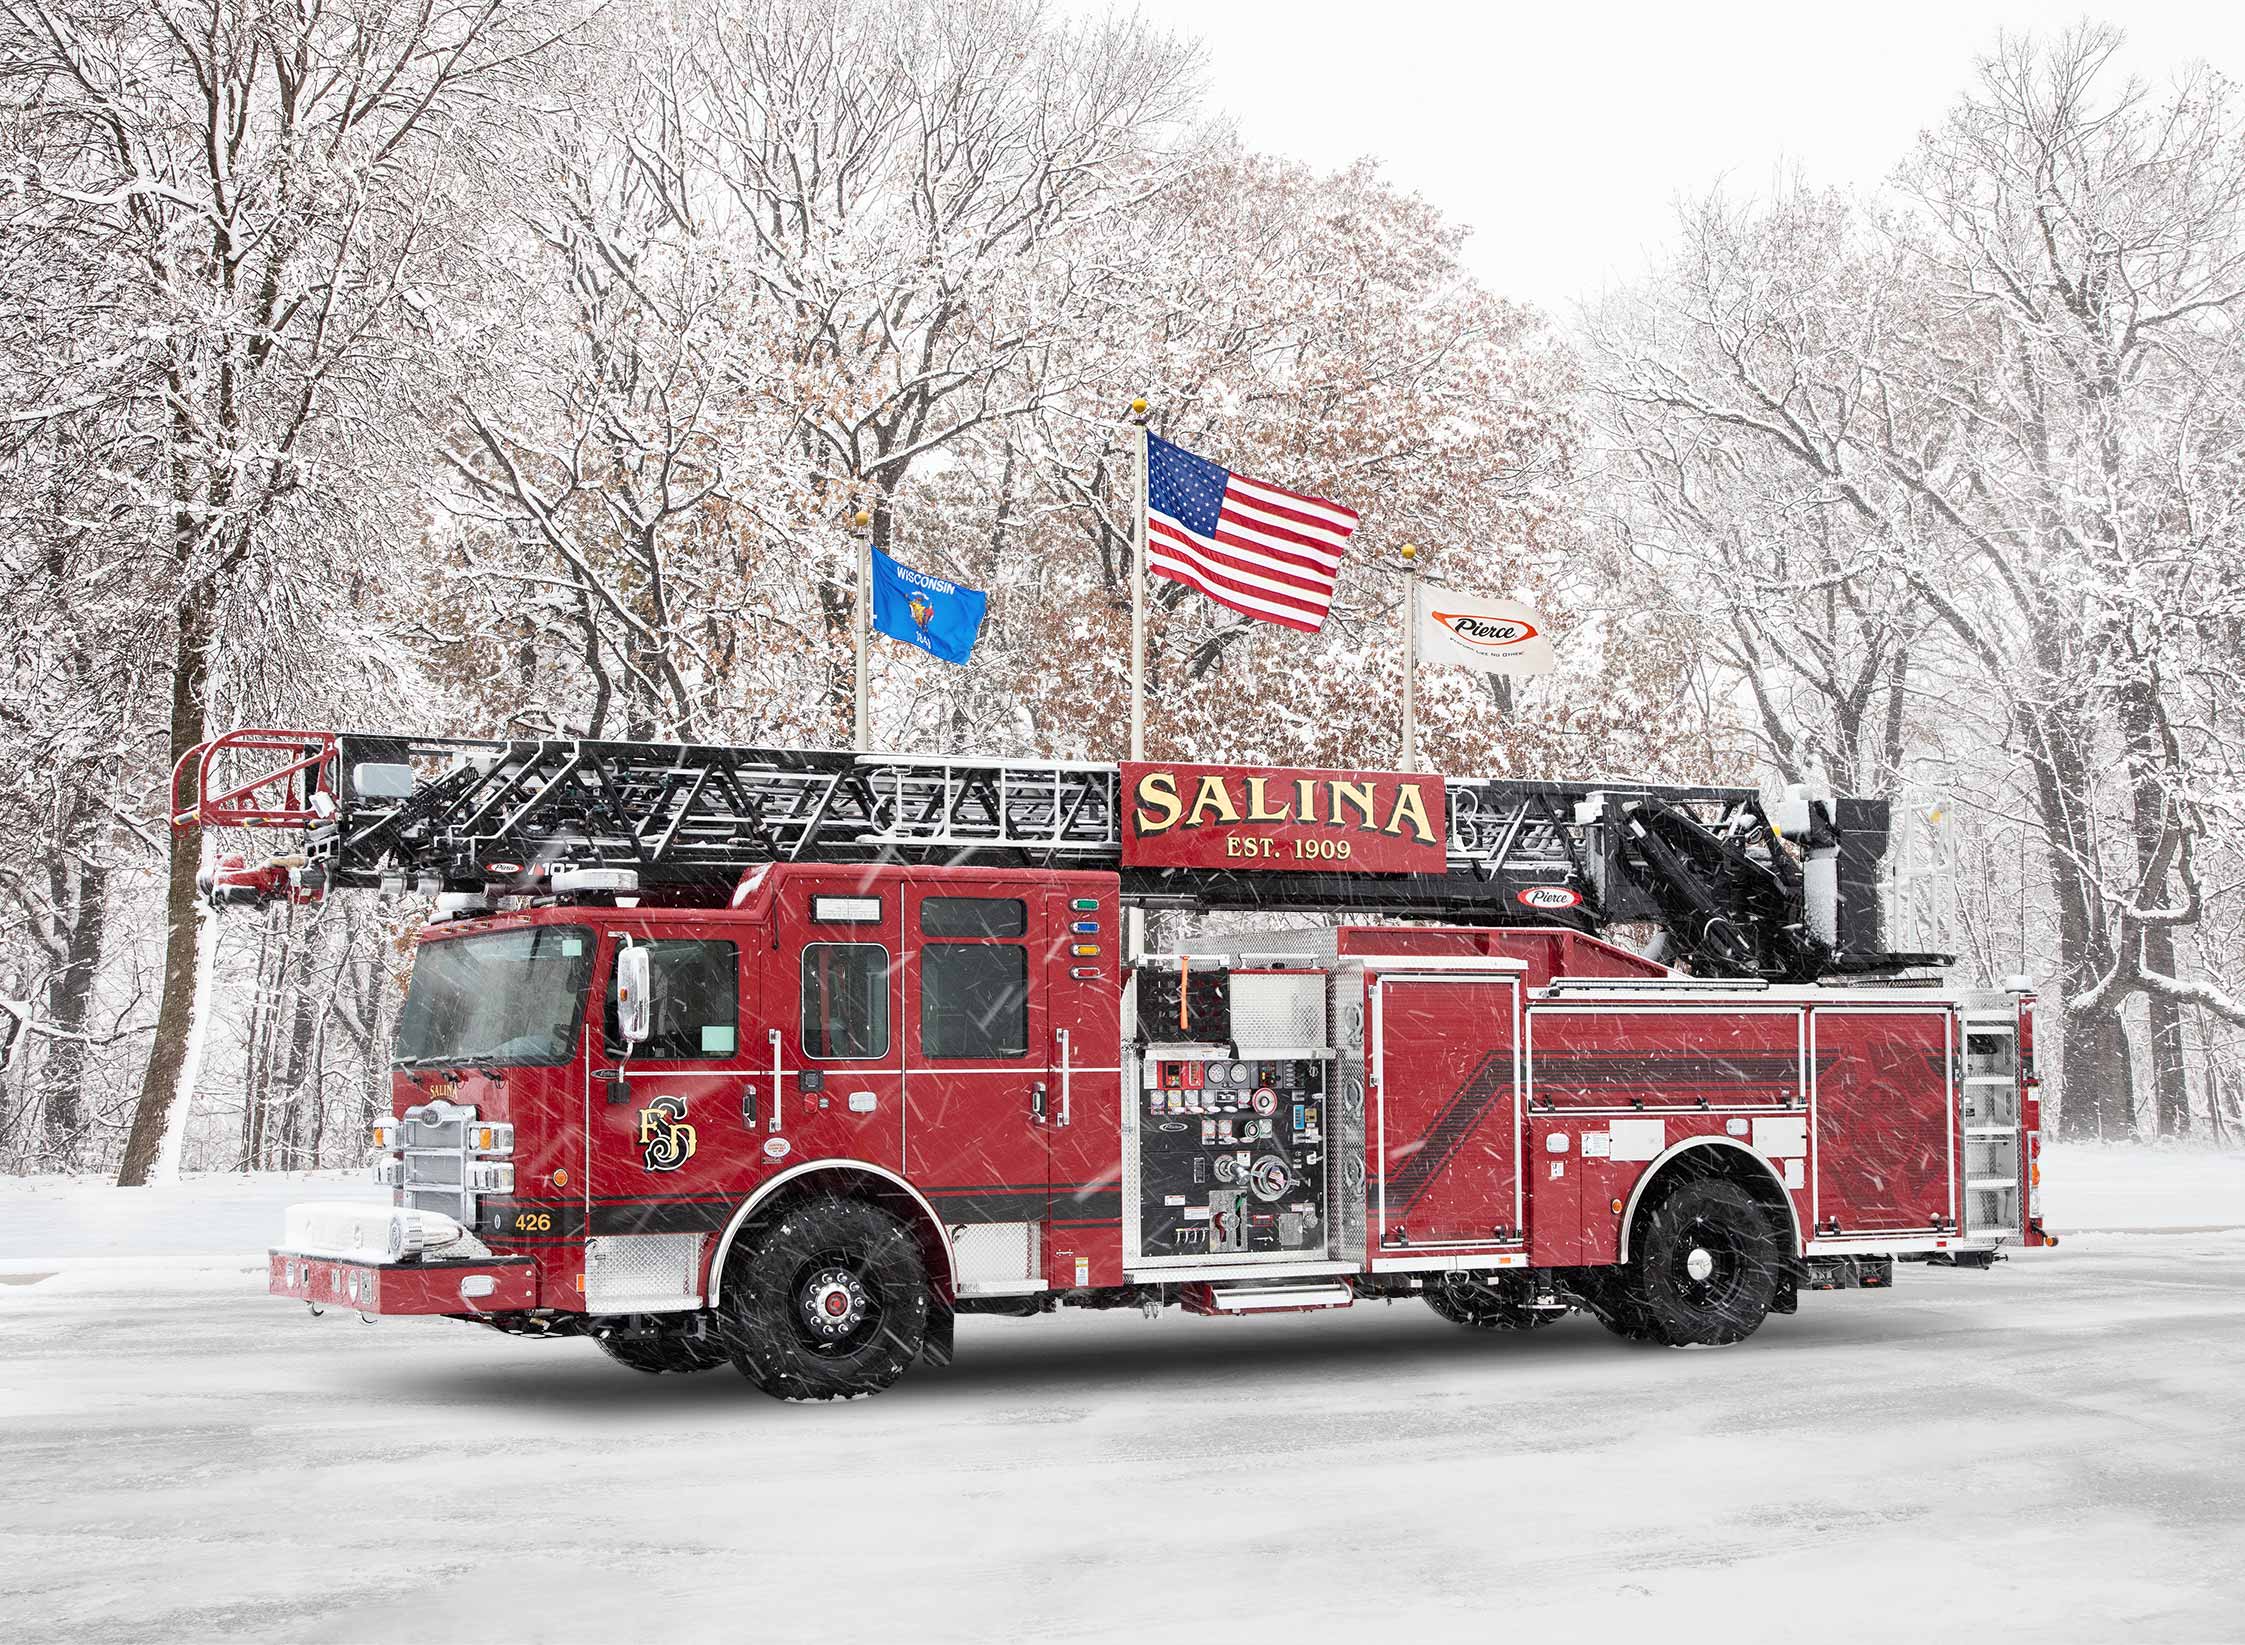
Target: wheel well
<point>851,1181</point>
<point>1696,1159</point>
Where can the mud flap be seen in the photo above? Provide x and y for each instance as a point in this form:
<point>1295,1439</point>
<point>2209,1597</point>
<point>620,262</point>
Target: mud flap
<point>935,1347</point>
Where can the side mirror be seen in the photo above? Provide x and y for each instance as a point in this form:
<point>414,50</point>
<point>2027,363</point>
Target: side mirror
<point>635,997</point>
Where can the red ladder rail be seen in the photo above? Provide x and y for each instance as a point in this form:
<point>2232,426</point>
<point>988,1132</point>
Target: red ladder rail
<point>309,755</point>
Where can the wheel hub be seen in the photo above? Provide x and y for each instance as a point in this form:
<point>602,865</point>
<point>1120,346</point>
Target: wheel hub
<point>1700,1263</point>
<point>834,1303</point>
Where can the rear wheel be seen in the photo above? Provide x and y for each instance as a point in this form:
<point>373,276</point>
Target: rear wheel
<point>664,1349</point>
<point>1706,1270</point>
<point>829,1301</point>
<point>1483,1307</point>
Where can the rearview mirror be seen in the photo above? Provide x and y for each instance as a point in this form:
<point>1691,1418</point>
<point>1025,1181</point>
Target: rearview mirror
<point>635,998</point>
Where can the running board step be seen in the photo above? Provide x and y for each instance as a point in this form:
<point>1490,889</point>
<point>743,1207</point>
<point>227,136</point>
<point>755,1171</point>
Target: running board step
<point>1284,1296</point>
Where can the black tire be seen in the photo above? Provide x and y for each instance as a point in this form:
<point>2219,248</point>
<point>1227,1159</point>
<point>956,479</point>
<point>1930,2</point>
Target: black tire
<point>1706,1268</point>
<point>828,1302</point>
<point>667,1351</point>
<point>1611,1300</point>
<point>1483,1307</point>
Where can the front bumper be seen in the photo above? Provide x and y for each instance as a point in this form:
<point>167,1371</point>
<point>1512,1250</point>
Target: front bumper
<point>466,1285</point>
<point>393,1259</point>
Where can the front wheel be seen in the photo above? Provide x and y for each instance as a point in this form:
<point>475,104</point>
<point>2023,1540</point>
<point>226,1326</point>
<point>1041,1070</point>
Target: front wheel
<point>828,1302</point>
<point>1706,1270</point>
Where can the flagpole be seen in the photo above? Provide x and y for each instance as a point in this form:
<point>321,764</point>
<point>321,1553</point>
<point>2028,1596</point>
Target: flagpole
<point>1138,594</point>
<point>864,542</point>
<point>1134,918</point>
<point>1410,556</point>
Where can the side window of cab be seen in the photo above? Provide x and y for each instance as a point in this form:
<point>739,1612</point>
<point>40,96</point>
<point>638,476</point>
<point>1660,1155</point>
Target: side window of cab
<point>974,978</point>
<point>696,989</point>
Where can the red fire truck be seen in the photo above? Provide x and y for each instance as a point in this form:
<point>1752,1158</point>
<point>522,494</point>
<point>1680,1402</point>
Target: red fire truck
<point>788,1059</point>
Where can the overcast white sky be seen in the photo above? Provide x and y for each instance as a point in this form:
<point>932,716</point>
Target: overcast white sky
<point>1563,133</point>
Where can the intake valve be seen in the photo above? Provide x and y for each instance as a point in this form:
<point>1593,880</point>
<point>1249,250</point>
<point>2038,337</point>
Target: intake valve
<point>1269,1177</point>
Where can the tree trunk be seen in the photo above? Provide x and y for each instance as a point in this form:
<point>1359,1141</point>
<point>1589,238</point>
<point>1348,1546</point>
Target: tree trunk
<point>69,1001</point>
<point>2170,1074</point>
<point>296,1071</point>
<point>2097,1098</point>
<point>175,1008</point>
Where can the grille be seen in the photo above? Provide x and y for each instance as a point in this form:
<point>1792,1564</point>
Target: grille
<point>435,1139</point>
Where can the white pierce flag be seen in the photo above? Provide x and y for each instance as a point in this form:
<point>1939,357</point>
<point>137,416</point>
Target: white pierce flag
<point>1494,636</point>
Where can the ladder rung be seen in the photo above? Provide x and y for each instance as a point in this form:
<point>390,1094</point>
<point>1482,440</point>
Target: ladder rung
<point>1991,1182</point>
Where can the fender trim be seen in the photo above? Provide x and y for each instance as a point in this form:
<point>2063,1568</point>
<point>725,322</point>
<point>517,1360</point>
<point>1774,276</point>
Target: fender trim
<point>791,1174</point>
<point>1661,1160</point>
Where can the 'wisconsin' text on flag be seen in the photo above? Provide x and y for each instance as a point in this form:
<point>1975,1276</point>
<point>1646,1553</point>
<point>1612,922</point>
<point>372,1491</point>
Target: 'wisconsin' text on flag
<point>941,617</point>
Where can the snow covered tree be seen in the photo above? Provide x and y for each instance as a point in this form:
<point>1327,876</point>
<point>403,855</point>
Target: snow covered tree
<point>248,197</point>
<point>2004,406</point>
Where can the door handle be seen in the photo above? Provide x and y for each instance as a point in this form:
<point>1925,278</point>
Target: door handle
<point>773,1034</point>
<point>1064,1080</point>
<point>748,1106</point>
<point>1037,1102</point>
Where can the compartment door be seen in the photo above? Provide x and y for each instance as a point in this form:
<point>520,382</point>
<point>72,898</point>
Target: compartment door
<point>1885,1118</point>
<point>1445,1140</point>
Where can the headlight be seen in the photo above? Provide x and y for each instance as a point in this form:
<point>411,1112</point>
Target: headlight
<point>389,1172</point>
<point>490,1177</point>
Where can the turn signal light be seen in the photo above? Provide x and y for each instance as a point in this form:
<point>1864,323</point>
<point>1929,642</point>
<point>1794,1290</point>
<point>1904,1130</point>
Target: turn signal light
<point>1617,1207</point>
<point>384,1134</point>
<point>491,1139</point>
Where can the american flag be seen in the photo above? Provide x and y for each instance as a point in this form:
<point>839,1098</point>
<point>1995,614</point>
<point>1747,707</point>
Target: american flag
<point>1262,550</point>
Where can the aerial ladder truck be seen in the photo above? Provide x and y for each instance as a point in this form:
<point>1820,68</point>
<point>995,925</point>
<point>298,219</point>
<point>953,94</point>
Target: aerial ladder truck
<point>787,1059</point>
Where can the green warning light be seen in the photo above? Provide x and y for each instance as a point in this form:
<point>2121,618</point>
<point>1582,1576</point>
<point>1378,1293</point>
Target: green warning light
<point>1087,904</point>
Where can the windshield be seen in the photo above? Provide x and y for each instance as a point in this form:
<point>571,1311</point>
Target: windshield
<point>503,997</point>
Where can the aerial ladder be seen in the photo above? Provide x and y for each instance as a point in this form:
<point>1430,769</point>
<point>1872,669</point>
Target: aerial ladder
<point>1729,885</point>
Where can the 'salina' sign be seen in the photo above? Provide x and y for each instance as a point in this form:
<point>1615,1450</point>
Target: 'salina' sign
<point>1223,816</point>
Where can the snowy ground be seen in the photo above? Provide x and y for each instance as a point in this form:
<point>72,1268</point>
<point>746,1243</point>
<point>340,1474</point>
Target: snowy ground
<point>2053,1450</point>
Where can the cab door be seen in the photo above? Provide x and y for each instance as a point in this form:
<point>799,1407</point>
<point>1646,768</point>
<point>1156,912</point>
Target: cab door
<point>664,1116</point>
<point>829,1048</point>
<point>982,1095</point>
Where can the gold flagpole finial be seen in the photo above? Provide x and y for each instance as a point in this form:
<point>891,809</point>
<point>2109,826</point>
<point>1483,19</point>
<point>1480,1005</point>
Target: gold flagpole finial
<point>1138,407</point>
<point>1409,551</point>
<point>861,519</point>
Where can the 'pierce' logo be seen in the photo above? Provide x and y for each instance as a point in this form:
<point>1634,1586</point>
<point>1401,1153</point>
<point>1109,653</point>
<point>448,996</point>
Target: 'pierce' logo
<point>1548,896</point>
<point>664,1134</point>
<point>1485,633</point>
